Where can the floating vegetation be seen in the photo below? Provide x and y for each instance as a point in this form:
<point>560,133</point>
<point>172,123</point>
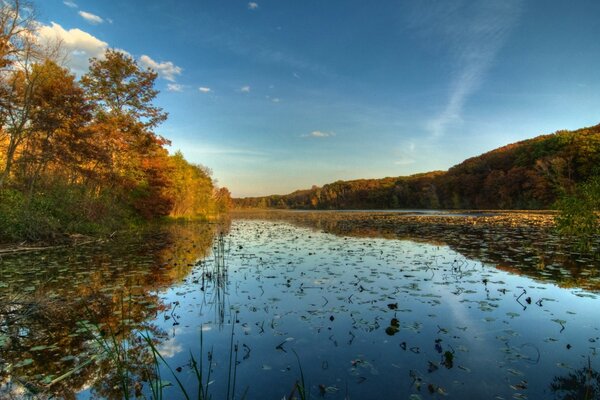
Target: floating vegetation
<point>304,308</point>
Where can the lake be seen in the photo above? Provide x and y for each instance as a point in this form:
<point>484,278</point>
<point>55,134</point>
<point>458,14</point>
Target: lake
<point>268,305</point>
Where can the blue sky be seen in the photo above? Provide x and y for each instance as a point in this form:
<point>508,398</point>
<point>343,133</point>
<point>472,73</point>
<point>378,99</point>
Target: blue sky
<point>279,95</point>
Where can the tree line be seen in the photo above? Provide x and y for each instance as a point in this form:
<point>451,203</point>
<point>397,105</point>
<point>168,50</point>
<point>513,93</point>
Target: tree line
<point>531,174</point>
<point>83,155</point>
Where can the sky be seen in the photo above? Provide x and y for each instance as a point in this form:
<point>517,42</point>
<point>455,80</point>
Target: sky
<point>278,95</point>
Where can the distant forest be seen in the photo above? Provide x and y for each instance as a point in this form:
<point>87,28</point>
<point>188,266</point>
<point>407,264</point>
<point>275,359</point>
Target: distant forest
<point>531,174</point>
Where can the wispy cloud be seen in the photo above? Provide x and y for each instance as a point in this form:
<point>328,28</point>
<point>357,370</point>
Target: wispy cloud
<point>175,87</point>
<point>319,134</point>
<point>245,89</point>
<point>91,18</point>
<point>204,89</point>
<point>166,70</point>
<point>69,3</point>
<point>252,5</point>
<point>472,33</point>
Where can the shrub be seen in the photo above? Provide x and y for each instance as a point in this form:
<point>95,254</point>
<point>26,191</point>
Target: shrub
<point>578,213</point>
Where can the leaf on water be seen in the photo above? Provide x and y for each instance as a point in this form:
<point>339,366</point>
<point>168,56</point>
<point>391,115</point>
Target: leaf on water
<point>24,363</point>
<point>514,372</point>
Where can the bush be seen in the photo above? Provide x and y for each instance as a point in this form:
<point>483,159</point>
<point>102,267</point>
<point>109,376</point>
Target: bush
<point>578,213</point>
<point>58,211</point>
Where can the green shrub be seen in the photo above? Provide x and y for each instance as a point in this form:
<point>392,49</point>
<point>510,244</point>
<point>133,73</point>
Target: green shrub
<point>578,213</point>
<point>60,210</point>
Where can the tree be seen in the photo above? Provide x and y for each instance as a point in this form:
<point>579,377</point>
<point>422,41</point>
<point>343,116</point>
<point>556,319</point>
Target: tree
<point>18,51</point>
<point>118,87</point>
<point>191,188</point>
<point>17,23</point>
<point>223,200</point>
<point>122,95</point>
<point>58,117</point>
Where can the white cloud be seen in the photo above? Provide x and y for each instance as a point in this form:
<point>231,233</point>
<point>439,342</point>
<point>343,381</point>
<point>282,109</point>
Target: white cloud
<point>91,18</point>
<point>166,70</point>
<point>319,134</point>
<point>70,3</point>
<point>79,46</point>
<point>204,89</point>
<point>174,87</point>
<point>276,100</point>
<point>252,5</point>
<point>245,89</point>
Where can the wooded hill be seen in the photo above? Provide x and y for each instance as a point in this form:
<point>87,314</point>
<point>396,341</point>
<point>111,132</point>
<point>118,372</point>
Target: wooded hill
<point>530,174</point>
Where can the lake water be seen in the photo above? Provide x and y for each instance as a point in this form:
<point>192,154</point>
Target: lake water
<point>265,304</point>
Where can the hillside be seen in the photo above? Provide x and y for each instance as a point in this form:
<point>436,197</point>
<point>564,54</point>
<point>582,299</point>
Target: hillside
<point>530,174</point>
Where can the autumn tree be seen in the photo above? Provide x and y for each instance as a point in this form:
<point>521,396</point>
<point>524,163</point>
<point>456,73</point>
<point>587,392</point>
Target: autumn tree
<point>120,88</point>
<point>191,190</point>
<point>17,23</point>
<point>59,114</point>
<point>124,118</point>
<point>223,200</point>
<point>18,51</point>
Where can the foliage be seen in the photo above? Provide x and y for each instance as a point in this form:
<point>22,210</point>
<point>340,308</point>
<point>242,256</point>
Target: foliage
<point>59,211</point>
<point>530,174</point>
<point>578,213</point>
<point>83,156</point>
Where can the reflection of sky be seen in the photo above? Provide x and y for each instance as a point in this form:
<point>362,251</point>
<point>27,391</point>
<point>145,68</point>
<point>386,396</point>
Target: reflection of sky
<point>326,297</point>
<point>169,348</point>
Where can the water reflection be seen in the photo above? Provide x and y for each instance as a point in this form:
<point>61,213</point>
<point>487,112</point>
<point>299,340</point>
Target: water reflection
<point>53,303</point>
<point>582,383</point>
<point>533,251</point>
<point>268,302</point>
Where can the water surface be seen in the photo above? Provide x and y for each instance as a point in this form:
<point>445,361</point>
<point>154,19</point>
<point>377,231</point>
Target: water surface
<point>359,314</point>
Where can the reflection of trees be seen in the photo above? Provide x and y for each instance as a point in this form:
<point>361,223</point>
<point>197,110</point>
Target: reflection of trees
<point>115,286</point>
<point>580,384</point>
<point>519,243</point>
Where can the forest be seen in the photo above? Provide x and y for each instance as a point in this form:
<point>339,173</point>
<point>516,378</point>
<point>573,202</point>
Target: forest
<point>82,155</point>
<point>531,174</point>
